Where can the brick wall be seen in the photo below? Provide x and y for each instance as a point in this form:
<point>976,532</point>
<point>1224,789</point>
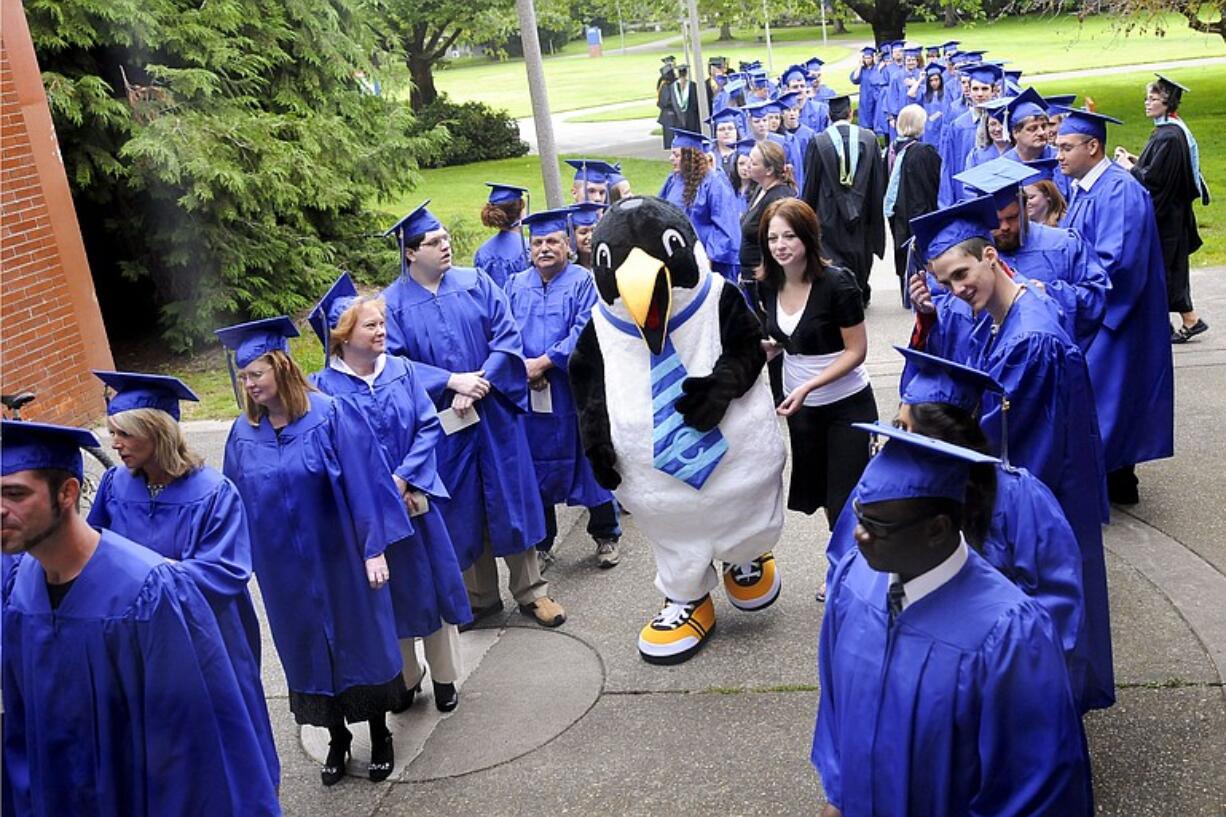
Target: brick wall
<point>51,331</point>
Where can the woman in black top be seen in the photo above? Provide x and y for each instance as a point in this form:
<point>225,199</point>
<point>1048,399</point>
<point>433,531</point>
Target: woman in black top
<point>815,317</point>
<point>772,179</point>
<point>915,176</point>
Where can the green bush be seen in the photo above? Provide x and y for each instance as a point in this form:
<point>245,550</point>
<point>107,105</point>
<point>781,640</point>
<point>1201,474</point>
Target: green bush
<point>476,133</point>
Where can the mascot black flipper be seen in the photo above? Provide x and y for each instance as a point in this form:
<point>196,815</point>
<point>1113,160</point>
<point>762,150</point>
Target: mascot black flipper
<point>679,397</point>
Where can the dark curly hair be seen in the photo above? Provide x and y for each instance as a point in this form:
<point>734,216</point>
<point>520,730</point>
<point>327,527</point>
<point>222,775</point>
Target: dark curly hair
<point>502,216</point>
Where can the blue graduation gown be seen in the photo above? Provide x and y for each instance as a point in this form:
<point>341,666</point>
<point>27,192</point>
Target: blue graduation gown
<point>1071,274</point>
<point>1063,183</point>
<point>320,502</point>
<point>1030,542</point>
<point>961,708</point>
<point>983,155</point>
<point>122,702</point>
<point>957,141</point>
<point>714,215</point>
<point>199,521</point>
<point>427,588</point>
<point>937,109</point>
<point>896,97</point>
<point>816,114</point>
<point>871,81</point>
<point>466,326</point>
<point>1054,435</point>
<point>798,143</point>
<point>1130,358</point>
<point>550,317</point>
<point>502,255</point>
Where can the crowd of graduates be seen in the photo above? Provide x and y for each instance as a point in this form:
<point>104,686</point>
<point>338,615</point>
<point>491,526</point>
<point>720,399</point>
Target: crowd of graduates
<point>966,626</point>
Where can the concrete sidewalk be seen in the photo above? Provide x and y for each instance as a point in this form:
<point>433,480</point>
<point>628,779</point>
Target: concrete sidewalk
<point>573,722</point>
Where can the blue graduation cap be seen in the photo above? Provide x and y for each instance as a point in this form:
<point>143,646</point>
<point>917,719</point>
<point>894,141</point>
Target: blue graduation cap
<point>545,222</point>
<point>884,49</point>
<point>814,65</point>
<point>1058,101</point>
<point>793,71</point>
<point>591,170</point>
<point>586,213</point>
<point>418,222</point>
<point>251,340</point>
<point>725,115</point>
<point>759,110</point>
<point>1026,104</point>
<point>937,232</point>
<point>933,50</point>
<point>30,446</point>
<point>503,193</point>
<point>989,73</point>
<point>932,379</point>
<point>735,84</point>
<point>912,52</point>
<point>689,139</point>
<point>951,44</point>
<point>758,79</point>
<point>615,177</point>
<point>911,466</point>
<point>868,51</point>
<point>1044,170</point>
<point>997,108</point>
<point>790,100</point>
<point>744,146</point>
<point>339,297</point>
<point>1000,178</point>
<point>932,69</point>
<point>1088,123</point>
<point>134,390</point>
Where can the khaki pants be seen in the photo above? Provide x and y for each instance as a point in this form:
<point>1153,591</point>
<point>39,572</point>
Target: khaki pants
<point>526,584</point>
<point>442,656</point>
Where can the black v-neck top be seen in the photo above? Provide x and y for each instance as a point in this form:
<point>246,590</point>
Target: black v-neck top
<point>834,304</point>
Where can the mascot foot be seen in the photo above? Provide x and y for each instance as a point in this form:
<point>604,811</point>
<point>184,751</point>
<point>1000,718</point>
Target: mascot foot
<point>678,631</point>
<point>754,585</point>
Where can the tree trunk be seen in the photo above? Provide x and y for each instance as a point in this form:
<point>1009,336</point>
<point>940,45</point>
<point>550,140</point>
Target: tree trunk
<point>421,70</point>
<point>951,15</point>
<point>840,27</point>
<point>725,31</point>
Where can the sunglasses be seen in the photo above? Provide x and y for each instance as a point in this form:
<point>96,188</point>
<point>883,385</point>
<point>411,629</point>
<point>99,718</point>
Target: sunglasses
<point>878,529</point>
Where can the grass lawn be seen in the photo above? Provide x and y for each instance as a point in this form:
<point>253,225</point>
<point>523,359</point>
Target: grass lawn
<point>1204,109</point>
<point>646,110</point>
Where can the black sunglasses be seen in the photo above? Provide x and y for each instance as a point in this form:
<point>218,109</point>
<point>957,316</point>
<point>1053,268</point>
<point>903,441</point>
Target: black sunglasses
<point>878,529</point>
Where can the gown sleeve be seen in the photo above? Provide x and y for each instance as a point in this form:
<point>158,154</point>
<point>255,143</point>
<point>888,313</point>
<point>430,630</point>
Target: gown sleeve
<point>1031,750</point>
<point>504,366</point>
<point>584,299</point>
<point>1117,241</point>
<point>825,754</point>
<point>100,511</point>
<point>379,515</point>
<point>419,467</point>
<point>220,561</point>
<point>1084,294</point>
<point>192,718</point>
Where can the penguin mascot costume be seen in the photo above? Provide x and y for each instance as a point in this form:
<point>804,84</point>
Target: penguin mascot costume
<point>677,420</point>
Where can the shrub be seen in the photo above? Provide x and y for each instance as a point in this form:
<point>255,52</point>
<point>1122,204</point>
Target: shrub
<point>476,133</point>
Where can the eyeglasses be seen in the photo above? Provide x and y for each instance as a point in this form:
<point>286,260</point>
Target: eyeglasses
<point>878,529</point>
<point>1067,147</point>
<point>251,377</point>
<point>437,241</point>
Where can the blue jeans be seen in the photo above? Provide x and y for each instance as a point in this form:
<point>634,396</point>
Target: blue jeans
<point>602,523</point>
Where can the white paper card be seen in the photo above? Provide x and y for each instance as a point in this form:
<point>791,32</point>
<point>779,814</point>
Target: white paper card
<point>453,421</point>
<point>421,503</point>
<point>542,401</point>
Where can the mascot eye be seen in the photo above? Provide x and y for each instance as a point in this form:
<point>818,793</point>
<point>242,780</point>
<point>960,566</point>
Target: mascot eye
<point>603,256</point>
<point>671,237</point>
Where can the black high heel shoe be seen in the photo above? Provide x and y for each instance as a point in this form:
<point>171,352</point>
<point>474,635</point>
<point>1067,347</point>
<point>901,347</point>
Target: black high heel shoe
<point>382,759</point>
<point>406,700</point>
<point>446,697</point>
<point>334,766</point>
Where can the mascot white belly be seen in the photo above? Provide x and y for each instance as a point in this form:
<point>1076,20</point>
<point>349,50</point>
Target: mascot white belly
<point>737,514</point>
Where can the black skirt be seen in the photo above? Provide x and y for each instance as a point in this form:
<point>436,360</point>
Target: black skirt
<point>353,705</point>
<point>828,455</point>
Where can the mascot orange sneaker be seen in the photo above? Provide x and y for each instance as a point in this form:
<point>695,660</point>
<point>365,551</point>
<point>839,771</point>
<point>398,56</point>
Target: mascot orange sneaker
<point>754,585</point>
<point>678,631</point>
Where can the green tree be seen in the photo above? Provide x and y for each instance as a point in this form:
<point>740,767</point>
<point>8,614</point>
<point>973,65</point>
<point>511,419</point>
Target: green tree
<point>420,32</point>
<point>234,178</point>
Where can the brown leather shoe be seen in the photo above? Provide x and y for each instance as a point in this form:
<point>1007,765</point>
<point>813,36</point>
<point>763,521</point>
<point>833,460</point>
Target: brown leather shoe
<point>546,612</point>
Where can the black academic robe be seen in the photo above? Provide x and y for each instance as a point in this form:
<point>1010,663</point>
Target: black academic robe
<point>1165,169</point>
<point>853,227</point>
<point>675,113</point>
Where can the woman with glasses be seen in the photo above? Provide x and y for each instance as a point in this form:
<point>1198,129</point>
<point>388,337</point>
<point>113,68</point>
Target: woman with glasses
<point>322,508</point>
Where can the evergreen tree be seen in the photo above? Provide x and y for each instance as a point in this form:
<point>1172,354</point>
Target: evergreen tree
<point>224,154</point>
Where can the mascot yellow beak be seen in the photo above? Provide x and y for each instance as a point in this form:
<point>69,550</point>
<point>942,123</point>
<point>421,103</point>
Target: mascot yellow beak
<point>645,287</point>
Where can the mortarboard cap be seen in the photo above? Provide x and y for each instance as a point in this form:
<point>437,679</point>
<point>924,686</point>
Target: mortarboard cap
<point>758,79</point>
<point>669,60</point>
<point>683,68</point>
<point>615,176</point>
<point>951,44</point>
<point>814,64</point>
<point>689,139</point>
<point>999,178</point>
<point>937,232</point>
<point>339,297</point>
<point>1087,123</point>
<point>28,446</point>
<point>545,222</point>
<point>718,62</point>
<point>790,100</point>
<point>989,73</point>
<point>134,390</point>
<point>911,466</point>
<point>256,338</point>
<point>839,107</point>
<point>932,379</point>
<point>502,193</point>
<point>1044,170</point>
<point>792,72</point>
<point>586,213</point>
<point>912,52</point>
<point>591,170</point>
<point>419,222</point>
<point>744,146</point>
<point>759,110</point>
<point>932,49</point>
<point>868,51</point>
<point>725,115</point>
<point>1058,101</point>
<point>884,48</point>
<point>735,84</point>
<point>933,69</point>
<point>1181,88</point>
<point>1026,104</point>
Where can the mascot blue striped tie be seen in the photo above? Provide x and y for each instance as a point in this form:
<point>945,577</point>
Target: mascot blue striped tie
<point>680,451</point>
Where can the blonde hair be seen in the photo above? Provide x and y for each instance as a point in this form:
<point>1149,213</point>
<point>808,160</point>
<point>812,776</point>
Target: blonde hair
<point>171,452</point>
<point>338,337</point>
<point>292,388</point>
<point>911,121</point>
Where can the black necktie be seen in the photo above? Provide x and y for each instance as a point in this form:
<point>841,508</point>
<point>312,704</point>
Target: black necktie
<point>893,600</point>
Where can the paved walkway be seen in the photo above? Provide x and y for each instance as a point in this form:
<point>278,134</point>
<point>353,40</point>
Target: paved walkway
<point>573,722</point>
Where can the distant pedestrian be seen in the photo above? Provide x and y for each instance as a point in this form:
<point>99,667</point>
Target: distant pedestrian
<point>914,177</point>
